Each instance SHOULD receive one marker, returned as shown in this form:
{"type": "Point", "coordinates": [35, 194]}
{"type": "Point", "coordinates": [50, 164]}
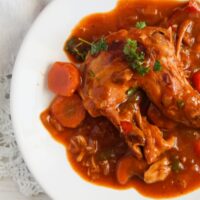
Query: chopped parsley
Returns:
{"type": "Point", "coordinates": [75, 47]}
{"type": "Point", "coordinates": [96, 47]}
{"type": "Point", "coordinates": [135, 58]}
{"type": "Point", "coordinates": [99, 46]}
{"type": "Point", "coordinates": [177, 166]}
{"type": "Point", "coordinates": [130, 49]}
{"type": "Point", "coordinates": [131, 91]}
{"type": "Point", "coordinates": [142, 70]}
{"type": "Point", "coordinates": [180, 104]}
{"type": "Point", "coordinates": [157, 66]}
{"type": "Point", "coordinates": [141, 25]}
{"type": "Point", "coordinates": [80, 47]}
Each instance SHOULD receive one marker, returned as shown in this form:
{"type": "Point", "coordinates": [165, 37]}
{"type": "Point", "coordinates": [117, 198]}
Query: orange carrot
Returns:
{"type": "Point", "coordinates": [68, 111]}
{"type": "Point", "coordinates": [63, 78]}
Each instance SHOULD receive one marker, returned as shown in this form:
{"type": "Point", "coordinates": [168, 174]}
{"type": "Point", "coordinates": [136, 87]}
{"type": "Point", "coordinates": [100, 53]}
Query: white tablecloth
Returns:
{"type": "Point", "coordinates": [16, 16]}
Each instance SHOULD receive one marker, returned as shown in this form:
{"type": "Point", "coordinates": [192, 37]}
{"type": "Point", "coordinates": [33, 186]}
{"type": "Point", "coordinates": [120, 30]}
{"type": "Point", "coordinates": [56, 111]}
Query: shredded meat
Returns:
{"type": "Point", "coordinates": [151, 140]}
{"type": "Point", "coordinates": [165, 89]}
{"type": "Point", "coordinates": [105, 93]}
{"type": "Point", "coordinates": [158, 171]}
{"type": "Point", "coordinates": [159, 119]}
{"type": "Point", "coordinates": [181, 33]}
{"type": "Point", "coordinates": [186, 31]}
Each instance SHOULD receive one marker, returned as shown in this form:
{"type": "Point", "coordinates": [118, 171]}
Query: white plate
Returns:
{"type": "Point", "coordinates": [29, 96]}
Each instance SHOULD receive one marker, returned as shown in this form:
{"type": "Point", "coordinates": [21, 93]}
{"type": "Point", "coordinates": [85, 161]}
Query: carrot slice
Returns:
{"type": "Point", "coordinates": [63, 78]}
{"type": "Point", "coordinates": [68, 111]}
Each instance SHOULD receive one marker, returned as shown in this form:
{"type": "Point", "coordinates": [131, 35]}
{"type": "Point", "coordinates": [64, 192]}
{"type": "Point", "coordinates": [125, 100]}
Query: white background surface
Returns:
{"type": "Point", "coordinates": [16, 16]}
{"type": "Point", "coordinates": [10, 191]}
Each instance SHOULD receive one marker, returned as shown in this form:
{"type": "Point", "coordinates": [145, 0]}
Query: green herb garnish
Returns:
{"type": "Point", "coordinates": [130, 49]}
{"type": "Point", "coordinates": [96, 47]}
{"type": "Point", "coordinates": [177, 166]}
{"type": "Point", "coordinates": [75, 47]}
{"type": "Point", "coordinates": [157, 66]}
{"type": "Point", "coordinates": [135, 58]}
{"type": "Point", "coordinates": [142, 70]}
{"type": "Point", "coordinates": [180, 104]}
{"type": "Point", "coordinates": [99, 46]}
{"type": "Point", "coordinates": [141, 25]}
{"type": "Point", "coordinates": [80, 47]}
{"type": "Point", "coordinates": [131, 91]}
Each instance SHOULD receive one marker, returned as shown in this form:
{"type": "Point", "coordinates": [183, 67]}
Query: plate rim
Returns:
{"type": "Point", "coordinates": [12, 97]}
{"type": "Point", "coordinates": [12, 93]}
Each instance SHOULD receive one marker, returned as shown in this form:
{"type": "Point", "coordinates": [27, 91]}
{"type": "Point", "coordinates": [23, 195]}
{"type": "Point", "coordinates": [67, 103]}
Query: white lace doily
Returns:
{"type": "Point", "coordinates": [16, 17]}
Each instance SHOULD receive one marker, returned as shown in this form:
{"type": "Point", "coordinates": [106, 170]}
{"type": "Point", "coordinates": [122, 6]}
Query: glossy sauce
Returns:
{"type": "Point", "coordinates": [124, 16]}
{"type": "Point", "coordinates": [176, 184]}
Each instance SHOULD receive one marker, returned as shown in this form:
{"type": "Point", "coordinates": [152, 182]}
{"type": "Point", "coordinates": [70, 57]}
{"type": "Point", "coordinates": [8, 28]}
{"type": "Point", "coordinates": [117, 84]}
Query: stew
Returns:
{"type": "Point", "coordinates": [130, 115]}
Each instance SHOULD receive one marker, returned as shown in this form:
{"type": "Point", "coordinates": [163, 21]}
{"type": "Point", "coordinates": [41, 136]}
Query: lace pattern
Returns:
{"type": "Point", "coordinates": [18, 14]}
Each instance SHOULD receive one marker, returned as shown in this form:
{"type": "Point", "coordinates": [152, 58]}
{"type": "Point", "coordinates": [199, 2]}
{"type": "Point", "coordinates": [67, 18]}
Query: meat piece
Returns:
{"type": "Point", "coordinates": [158, 171]}
{"type": "Point", "coordinates": [129, 166]}
{"type": "Point", "coordinates": [150, 139]}
{"type": "Point", "coordinates": [165, 88]}
{"type": "Point", "coordinates": [103, 95]}
{"type": "Point", "coordinates": [105, 92]}
{"type": "Point", "coordinates": [155, 145]}
{"type": "Point", "coordinates": [187, 36]}
{"type": "Point", "coordinates": [187, 24]}
{"type": "Point", "coordinates": [159, 119]}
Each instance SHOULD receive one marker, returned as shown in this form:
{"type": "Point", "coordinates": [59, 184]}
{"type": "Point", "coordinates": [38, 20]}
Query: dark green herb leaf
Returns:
{"type": "Point", "coordinates": [75, 47]}
{"type": "Point", "coordinates": [177, 166]}
{"type": "Point", "coordinates": [70, 44]}
{"type": "Point", "coordinates": [157, 66]}
{"type": "Point", "coordinates": [80, 55]}
{"type": "Point", "coordinates": [180, 104]}
{"type": "Point", "coordinates": [91, 74]}
{"type": "Point", "coordinates": [140, 69]}
{"type": "Point", "coordinates": [131, 91]}
{"type": "Point", "coordinates": [136, 59]}
{"type": "Point", "coordinates": [98, 46]}
{"type": "Point", "coordinates": [143, 70]}
{"type": "Point", "coordinates": [130, 51]}
{"type": "Point", "coordinates": [140, 25]}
